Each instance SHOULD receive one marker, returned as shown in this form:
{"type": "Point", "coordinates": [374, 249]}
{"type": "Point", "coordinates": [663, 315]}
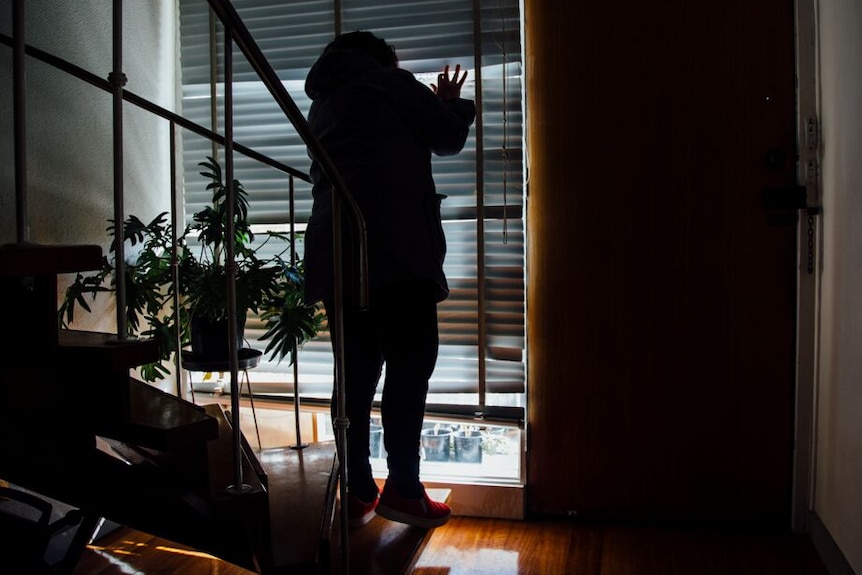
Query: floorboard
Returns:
{"type": "Point", "coordinates": [471, 546]}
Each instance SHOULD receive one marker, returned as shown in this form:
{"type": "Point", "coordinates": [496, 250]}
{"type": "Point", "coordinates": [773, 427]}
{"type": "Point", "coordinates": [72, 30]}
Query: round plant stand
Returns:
{"type": "Point", "coordinates": [248, 358]}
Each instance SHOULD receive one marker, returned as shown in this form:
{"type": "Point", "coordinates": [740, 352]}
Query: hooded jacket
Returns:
{"type": "Point", "coordinates": [380, 127]}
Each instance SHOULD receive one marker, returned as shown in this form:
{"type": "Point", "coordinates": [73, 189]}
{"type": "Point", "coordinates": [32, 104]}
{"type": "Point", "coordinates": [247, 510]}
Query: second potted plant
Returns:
{"type": "Point", "coordinates": [268, 286]}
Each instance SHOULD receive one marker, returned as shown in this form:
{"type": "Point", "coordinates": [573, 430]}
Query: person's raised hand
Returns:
{"type": "Point", "coordinates": [448, 88]}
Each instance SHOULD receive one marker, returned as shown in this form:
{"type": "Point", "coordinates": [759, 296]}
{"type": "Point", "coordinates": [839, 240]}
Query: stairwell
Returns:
{"type": "Point", "coordinates": [121, 449]}
{"type": "Point", "coordinates": [80, 430]}
{"type": "Point", "coordinates": [114, 447]}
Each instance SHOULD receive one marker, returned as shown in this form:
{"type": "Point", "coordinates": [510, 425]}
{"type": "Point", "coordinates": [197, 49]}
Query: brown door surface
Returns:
{"type": "Point", "coordinates": [661, 290]}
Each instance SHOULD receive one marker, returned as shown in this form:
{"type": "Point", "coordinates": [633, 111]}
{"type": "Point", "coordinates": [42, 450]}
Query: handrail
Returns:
{"type": "Point", "coordinates": [144, 104]}
{"type": "Point", "coordinates": [118, 79]}
{"type": "Point", "coordinates": [243, 38]}
{"type": "Point", "coordinates": [341, 197]}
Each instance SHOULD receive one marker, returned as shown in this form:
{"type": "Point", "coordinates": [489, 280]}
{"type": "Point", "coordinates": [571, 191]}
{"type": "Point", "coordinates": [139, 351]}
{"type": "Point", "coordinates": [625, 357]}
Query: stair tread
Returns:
{"type": "Point", "coordinates": [301, 505]}
{"type": "Point", "coordinates": [383, 547]}
{"type": "Point", "coordinates": [25, 259]}
{"type": "Point", "coordinates": [105, 350]}
{"type": "Point", "coordinates": [159, 420]}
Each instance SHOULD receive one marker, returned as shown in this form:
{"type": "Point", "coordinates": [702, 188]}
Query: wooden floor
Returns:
{"type": "Point", "coordinates": [469, 546]}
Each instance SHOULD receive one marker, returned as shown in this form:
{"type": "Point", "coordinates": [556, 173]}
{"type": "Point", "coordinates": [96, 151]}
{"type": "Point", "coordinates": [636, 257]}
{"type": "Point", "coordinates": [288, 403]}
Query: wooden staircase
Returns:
{"type": "Point", "coordinates": [121, 449]}
{"type": "Point", "coordinates": [118, 448]}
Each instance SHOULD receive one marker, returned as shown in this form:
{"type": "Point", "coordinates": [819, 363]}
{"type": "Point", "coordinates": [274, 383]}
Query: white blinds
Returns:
{"type": "Point", "coordinates": [482, 324]}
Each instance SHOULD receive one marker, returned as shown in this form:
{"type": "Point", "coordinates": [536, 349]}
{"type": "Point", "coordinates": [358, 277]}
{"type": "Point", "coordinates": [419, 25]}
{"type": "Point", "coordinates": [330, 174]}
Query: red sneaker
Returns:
{"type": "Point", "coordinates": [359, 512]}
{"type": "Point", "coordinates": [422, 512]}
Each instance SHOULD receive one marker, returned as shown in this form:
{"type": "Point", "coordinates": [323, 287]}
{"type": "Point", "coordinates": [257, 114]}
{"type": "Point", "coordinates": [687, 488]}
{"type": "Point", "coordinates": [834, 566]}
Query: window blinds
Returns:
{"type": "Point", "coordinates": [481, 363]}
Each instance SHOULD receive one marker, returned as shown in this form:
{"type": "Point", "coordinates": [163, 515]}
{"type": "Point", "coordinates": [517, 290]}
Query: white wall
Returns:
{"type": "Point", "coordinates": [69, 127]}
{"type": "Point", "coordinates": [838, 473]}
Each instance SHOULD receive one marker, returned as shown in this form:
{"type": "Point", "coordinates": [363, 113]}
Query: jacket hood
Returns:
{"type": "Point", "coordinates": [335, 68]}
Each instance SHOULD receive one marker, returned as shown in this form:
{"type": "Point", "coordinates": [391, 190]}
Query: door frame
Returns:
{"type": "Point", "coordinates": [809, 261]}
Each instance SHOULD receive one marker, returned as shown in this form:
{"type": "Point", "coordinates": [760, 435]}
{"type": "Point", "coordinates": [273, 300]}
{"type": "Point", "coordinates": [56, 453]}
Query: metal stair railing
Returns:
{"type": "Point", "coordinates": [342, 199]}
{"type": "Point", "coordinates": [237, 31]}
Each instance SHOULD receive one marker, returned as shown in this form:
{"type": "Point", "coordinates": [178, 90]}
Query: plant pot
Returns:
{"type": "Point", "coordinates": [210, 338]}
{"type": "Point", "coordinates": [436, 444]}
{"type": "Point", "coordinates": [468, 446]}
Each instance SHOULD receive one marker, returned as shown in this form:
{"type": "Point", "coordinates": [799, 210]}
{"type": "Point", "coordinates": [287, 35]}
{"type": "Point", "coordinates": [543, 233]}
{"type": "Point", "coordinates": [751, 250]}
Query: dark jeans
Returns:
{"type": "Point", "coordinates": [399, 329]}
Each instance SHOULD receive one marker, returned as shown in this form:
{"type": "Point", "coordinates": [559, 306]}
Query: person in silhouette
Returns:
{"type": "Point", "coordinates": [380, 126]}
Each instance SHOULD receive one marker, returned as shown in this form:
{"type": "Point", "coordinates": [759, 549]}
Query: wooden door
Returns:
{"type": "Point", "coordinates": [661, 292]}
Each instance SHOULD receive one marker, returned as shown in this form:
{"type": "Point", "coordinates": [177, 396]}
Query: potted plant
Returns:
{"type": "Point", "coordinates": [436, 442]}
{"type": "Point", "coordinates": [468, 444]}
{"type": "Point", "coordinates": [268, 286]}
